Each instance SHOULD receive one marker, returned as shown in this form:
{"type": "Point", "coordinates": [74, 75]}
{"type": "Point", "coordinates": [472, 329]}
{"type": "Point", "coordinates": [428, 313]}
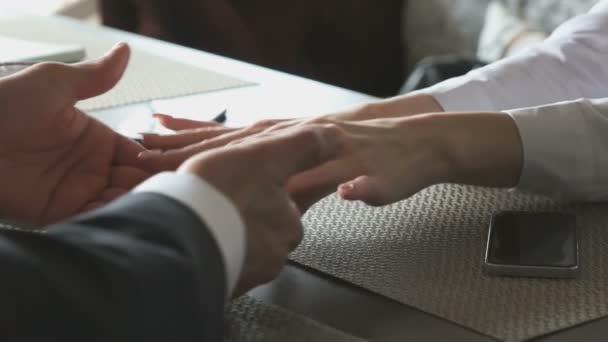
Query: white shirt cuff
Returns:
{"type": "Point", "coordinates": [460, 94]}
{"type": "Point", "coordinates": [557, 152]}
{"type": "Point", "coordinates": [213, 208]}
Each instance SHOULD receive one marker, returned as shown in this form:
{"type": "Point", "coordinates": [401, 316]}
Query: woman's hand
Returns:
{"type": "Point", "coordinates": [387, 160]}
{"type": "Point", "coordinates": [383, 160]}
{"type": "Point", "coordinates": [167, 152]}
{"type": "Point", "coordinates": [56, 161]}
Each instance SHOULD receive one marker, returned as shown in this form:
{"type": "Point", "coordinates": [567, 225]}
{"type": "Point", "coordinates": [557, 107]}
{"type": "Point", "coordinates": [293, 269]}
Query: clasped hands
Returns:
{"type": "Point", "coordinates": [55, 161]}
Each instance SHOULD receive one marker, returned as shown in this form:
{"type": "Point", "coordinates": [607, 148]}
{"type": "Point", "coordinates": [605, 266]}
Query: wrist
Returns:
{"type": "Point", "coordinates": [401, 106]}
{"type": "Point", "coordinates": [482, 149]}
{"type": "Point", "coordinates": [426, 144]}
{"type": "Point", "coordinates": [409, 105]}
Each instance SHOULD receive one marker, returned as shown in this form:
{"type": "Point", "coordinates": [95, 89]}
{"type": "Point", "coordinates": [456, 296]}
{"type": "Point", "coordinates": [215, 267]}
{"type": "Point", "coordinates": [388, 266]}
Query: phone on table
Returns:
{"type": "Point", "coordinates": [526, 244]}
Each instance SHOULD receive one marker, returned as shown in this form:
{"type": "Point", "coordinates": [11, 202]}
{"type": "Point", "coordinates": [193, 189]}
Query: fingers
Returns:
{"type": "Point", "coordinates": [171, 159]}
{"type": "Point", "coordinates": [367, 189]}
{"type": "Point", "coordinates": [126, 151]}
{"type": "Point", "coordinates": [184, 137]}
{"type": "Point", "coordinates": [92, 206]}
{"type": "Point", "coordinates": [124, 177]}
{"type": "Point", "coordinates": [305, 201]}
{"type": "Point", "coordinates": [170, 151]}
{"type": "Point", "coordinates": [92, 78]}
{"type": "Point", "coordinates": [296, 150]}
{"type": "Point", "coordinates": [310, 186]}
{"type": "Point", "coordinates": [56, 85]}
{"type": "Point", "coordinates": [177, 124]}
{"type": "Point", "coordinates": [82, 80]}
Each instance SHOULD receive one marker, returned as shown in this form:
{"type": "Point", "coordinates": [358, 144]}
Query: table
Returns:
{"type": "Point", "coordinates": [302, 290]}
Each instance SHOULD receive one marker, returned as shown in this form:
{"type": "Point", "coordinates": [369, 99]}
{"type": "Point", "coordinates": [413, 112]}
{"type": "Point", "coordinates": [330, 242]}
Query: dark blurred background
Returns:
{"type": "Point", "coordinates": [350, 43]}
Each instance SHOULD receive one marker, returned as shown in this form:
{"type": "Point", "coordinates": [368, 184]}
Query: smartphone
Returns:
{"type": "Point", "coordinates": [525, 244]}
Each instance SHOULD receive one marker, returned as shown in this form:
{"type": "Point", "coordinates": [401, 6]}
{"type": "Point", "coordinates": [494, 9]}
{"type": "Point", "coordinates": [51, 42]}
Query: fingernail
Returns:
{"type": "Point", "coordinates": [149, 154]}
{"type": "Point", "coordinates": [348, 186]}
{"type": "Point", "coordinates": [345, 190]}
{"type": "Point", "coordinates": [114, 48]}
{"type": "Point", "coordinates": [119, 45]}
{"type": "Point", "coordinates": [161, 116]}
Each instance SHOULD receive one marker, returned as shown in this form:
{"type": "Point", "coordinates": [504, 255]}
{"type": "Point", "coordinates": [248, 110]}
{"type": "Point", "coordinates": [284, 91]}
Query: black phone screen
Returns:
{"type": "Point", "coordinates": [533, 239]}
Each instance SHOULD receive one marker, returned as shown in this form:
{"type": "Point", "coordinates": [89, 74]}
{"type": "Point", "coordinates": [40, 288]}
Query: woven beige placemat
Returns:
{"type": "Point", "coordinates": [148, 77]}
{"type": "Point", "coordinates": [248, 320]}
{"type": "Point", "coordinates": [427, 251]}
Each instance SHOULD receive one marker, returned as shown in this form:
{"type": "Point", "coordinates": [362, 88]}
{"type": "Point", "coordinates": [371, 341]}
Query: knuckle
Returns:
{"type": "Point", "coordinates": [281, 125]}
{"type": "Point", "coordinates": [307, 133]}
{"type": "Point", "coordinates": [48, 68]}
{"type": "Point", "coordinates": [235, 142]}
{"type": "Point", "coordinates": [51, 75]}
{"type": "Point", "coordinates": [333, 129]}
{"type": "Point", "coordinates": [50, 72]}
{"type": "Point", "coordinates": [263, 124]}
{"type": "Point", "coordinates": [372, 109]}
{"type": "Point", "coordinates": [322, 120]}
{"type": "Point", "coordinates": [334, 135]}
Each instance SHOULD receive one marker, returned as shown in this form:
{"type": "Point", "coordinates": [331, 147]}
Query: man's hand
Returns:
{"type": "Point", "coordinates": [56, 161]}
{"type": "Point", "coordinates": [254, 176]}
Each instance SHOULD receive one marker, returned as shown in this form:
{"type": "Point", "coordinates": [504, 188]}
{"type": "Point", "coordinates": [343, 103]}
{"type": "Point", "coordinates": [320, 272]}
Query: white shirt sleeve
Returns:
{"type": "Point", "coordinates": [565, 144]}
{"type": "Point", "coordinates": [565, 149]}
{"type": "Point", "coordinates": [213, 208]}
{"type": "Point", "coordinates": [570, 64]}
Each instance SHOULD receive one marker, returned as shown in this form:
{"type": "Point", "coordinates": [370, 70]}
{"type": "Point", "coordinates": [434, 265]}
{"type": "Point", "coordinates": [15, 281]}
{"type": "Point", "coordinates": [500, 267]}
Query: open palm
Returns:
{"type": "Point", "coordinates": [56, 161]}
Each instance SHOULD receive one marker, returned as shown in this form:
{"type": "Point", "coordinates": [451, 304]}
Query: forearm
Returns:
{"type": "Point", "coordinates": [483, 149]}
{"type": "Point", "coordinates": [558, 150]}
{"type": "Point", "coordinates": [395, 107]}
{"type": "Point", "coordinates": [568, 65]}
{"type": "Point", "coordinates": [565, 149]}
{"type": "Point", "coordinates": [143, 268]}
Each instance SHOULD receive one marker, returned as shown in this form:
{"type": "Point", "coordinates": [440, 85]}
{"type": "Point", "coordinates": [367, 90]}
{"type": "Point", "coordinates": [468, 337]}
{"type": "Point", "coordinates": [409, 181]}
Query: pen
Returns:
{"type": "Point", "coordinates": [221, 117]}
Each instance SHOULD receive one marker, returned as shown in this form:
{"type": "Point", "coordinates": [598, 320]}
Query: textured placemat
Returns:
{"type": "Point", "coordinates": [248, 320]}
{"type": "Point", "coordinates": [148, 76]}
{"type": "Point", "coordinates": [427, 251]}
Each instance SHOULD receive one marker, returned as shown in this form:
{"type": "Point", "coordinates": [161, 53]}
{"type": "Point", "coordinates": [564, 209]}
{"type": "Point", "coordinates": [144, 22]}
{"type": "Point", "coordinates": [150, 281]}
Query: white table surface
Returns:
{"type": "Point", "coordinates": [275, 95]}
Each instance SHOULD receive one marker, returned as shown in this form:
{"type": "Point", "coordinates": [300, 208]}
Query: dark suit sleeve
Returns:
{"type": "Point", "coordinates": [144, 268]}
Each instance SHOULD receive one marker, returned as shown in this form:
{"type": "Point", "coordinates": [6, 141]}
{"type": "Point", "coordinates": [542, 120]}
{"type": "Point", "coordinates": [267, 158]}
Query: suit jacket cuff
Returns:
{"type": "Point", "coordinates": [213, 208]}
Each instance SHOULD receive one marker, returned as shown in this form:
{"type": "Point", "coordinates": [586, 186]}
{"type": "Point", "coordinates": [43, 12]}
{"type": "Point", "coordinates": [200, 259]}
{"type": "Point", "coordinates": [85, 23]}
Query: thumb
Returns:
{"type": "Point", "coordinates": [76, 81]}
{"type": "Point", "coordinates": [54, 83]}
{"type": "Point", "coordinates": [92, 78]}
{"type": "Point", "coordinates": [368, 189]}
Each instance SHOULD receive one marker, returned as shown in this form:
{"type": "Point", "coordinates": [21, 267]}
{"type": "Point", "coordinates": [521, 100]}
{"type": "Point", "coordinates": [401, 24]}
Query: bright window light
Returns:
{"type": "Point", "coordinates": [43, 7]}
